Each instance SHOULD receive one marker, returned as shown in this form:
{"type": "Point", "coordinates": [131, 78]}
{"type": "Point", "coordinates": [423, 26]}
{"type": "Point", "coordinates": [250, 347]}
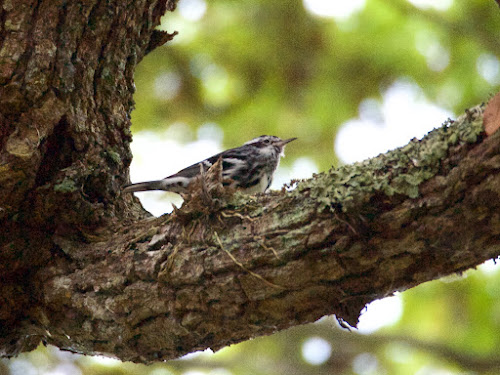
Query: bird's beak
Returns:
{"type": "Point", "coordinates": [285, 141]}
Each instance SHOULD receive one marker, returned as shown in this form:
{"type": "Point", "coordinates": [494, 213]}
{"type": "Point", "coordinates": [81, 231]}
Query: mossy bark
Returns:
{"type": "Point", "coordinates": [83, 267]}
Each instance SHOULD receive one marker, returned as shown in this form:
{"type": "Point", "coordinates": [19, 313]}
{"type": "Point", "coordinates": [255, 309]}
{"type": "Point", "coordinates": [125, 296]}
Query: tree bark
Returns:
{"type": "Point", "coordinates": [85, 268]}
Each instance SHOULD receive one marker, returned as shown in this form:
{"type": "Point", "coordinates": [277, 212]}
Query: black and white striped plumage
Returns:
{"type": "Point", "coordinates": [249, 167]}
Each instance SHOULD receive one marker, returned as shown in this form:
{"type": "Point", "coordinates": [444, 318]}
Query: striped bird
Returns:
{"type": "Point", "coordinates": [249, 167]}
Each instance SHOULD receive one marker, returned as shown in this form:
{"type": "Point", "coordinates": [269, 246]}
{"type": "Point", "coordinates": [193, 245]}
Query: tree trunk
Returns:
{"type": "Point", "coordinates": [85, 268]}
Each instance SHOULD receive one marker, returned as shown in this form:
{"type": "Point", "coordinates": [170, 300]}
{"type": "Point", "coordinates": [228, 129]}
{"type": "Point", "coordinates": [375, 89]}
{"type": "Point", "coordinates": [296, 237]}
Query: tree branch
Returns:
{"type": "Point", "coordinates": [160, 288]}
{"type": "Point", "coordinates": [86, 269]}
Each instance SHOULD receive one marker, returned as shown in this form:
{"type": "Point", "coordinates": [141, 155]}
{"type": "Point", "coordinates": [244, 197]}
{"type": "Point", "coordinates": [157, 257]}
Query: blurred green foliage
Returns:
{"type": "Point", "coordinates": [270, 67]}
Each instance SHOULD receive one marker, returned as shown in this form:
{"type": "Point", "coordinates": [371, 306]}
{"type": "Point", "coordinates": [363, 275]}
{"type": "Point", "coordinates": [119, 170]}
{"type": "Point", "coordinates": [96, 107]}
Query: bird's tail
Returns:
{"type": "Point", "coordinates": [145, 186]}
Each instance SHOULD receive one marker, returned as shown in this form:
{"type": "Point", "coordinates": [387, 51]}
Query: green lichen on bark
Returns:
{"type": "Point", "coordinates": [66, 186]}
{"type": "Point", "coordinates": [400, 171]}
{"type": "Point", "coordinates": [114, 156]}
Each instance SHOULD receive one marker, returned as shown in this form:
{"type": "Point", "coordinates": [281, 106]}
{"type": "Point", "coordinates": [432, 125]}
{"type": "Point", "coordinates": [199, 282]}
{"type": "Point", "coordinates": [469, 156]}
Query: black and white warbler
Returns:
{"type": "Point", "coordinates": [249, 167]}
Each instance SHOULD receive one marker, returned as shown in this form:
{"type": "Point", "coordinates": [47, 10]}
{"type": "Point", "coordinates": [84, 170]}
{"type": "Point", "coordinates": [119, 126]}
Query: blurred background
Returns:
{"type": "Point", "coordinates": [350, 79]}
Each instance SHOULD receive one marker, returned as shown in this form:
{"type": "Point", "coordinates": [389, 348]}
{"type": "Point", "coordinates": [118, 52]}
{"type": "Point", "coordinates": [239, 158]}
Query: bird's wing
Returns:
{"type": "Point", "coordinates": [194, 170]}
{"type": "Point", "coordinates": [235, 167]}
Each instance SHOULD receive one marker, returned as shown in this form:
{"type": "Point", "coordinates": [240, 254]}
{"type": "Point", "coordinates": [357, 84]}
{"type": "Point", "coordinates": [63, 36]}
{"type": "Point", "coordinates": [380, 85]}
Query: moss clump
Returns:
{"type": "Point", "coordinates": [114, 156]}
{"type": "Point", "coordinates": [66, 186]}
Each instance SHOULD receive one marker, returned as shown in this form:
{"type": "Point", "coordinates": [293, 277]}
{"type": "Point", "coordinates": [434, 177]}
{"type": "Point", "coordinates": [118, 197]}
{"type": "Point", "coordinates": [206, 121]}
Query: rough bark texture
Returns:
{"type": "Point", "coordinates": [66, 85]}
{"type": "Point", "coordinates": [85, 268]}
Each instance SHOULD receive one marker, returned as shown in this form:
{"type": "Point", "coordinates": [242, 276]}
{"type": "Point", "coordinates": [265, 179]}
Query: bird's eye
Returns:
{"type": "Point", "coordinates": [267, 141]}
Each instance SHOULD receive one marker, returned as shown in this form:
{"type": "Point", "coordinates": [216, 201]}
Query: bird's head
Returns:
{"type": "Point", "coordinates": [270, 142]}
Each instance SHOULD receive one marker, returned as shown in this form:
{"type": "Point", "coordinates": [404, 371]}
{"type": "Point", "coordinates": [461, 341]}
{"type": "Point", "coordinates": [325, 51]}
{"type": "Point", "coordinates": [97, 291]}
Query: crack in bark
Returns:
{"type": "Point", "coordinates": [29, 60]}
{"type": "Point", "coordinates": [57, 151]}
{"type": "Point", "coordinates": [3, 17]}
